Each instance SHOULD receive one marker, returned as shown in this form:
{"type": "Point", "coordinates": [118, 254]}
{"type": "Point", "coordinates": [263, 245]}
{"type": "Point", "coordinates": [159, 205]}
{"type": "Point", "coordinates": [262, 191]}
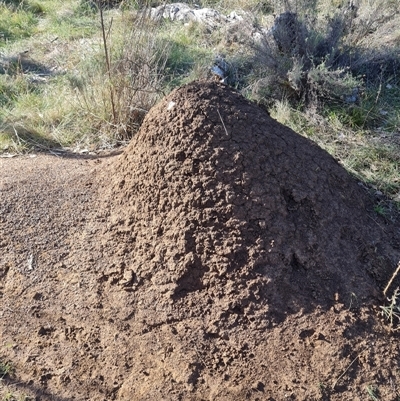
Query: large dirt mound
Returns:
{"type": "Point", "coordinates": [224, 258]}
{"type": "Point", "coordinates": [215, 195]}
{"type": "Point", "coordinates": [229, 217]}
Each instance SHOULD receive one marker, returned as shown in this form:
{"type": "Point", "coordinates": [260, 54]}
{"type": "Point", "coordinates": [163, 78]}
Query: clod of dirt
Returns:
{"type": "Point", "coordinates": [225, 257]}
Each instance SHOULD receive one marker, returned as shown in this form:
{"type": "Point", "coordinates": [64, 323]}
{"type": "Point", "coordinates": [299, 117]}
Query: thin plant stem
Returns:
{"type": "Point", "coordinates": [392, 278]}
{"type": "Point", "coordinates": [108, 63]}
{"type": "Point", "coordinates": [345, 371]}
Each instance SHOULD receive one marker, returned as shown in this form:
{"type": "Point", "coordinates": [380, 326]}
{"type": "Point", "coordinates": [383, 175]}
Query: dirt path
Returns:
{"type": "Point", "coordinates": [221, 256]}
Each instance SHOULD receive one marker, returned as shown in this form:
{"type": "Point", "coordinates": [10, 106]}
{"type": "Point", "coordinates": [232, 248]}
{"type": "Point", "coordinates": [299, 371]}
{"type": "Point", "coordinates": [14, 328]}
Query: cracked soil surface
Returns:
{"type": "Point", "coordinates": [221, 256]}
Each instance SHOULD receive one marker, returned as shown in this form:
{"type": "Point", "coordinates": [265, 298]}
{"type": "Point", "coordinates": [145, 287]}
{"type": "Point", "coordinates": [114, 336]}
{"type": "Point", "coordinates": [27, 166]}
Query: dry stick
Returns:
{"type": "Point", "coordinates": [391, 280]}
{"type": "Point", "coordinates": [222, 121]}
{"type": "Point", "coordinates": [103, 30]}
{"type": "Point", "coordinates": [16, 134]}
{"type": "Point", "coordinates": [348, 367]}
{"type": "Point", "coordinates": [379, 89]}
{"type": "Point", "coordinates": [377, 223]}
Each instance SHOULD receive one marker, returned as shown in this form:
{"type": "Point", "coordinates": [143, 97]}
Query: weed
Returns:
{"type": "Point", "coordinates": [380, 209]}
{"type": "Point", "coordinates": [372, 392]}
{"type": "Point", "coordinates": [6, 368]}
{"type": "Point", "coordinates": [392, 311]}
{"type": "Point", "coordinates": [323, 389]}
{"type": "Point", "coordinates": [12, 396]}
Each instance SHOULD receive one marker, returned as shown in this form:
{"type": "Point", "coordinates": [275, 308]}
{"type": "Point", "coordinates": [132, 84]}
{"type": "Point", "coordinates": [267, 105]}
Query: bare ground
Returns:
{"type": "Point", "coordinates": [221, 256]}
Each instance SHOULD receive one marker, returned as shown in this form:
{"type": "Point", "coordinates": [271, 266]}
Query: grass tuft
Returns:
{"type": "Point", "coordinates": [15, 24]}
{"type": "Point", "coordinates": [6, 369]}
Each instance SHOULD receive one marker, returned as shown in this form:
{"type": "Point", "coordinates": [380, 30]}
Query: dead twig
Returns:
{"type": "Point", "coordinates": [345, 371]}
{"type": "Point", "coordinates": [392, 278]}
{"type": "Point", "coordinates": [222, 121]}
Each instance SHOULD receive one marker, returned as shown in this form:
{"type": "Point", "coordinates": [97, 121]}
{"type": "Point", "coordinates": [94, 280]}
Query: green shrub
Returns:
{"type": "Point", "coordinates": [296, 61]}
{"type": "Point", "coordinates": [317, 60]}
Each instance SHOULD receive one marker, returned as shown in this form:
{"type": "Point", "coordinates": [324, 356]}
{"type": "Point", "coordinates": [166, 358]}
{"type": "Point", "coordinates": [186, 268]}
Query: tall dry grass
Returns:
{"type": "Point", "coordinates": [127, 79]}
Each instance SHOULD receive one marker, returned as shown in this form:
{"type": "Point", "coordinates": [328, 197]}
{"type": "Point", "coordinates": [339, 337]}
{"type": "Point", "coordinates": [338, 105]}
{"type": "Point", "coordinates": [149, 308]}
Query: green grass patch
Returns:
{"type": "Point", "coordinates": [72, 24]}
{"type": "Point", "coordinates": [190, 52]}
{"type": "Point", "coordinates": [36, 7]}
{"type": "Point", "coordinates": [376, 164]}
{"type": "Point", "coordinates": [13, 88]}
{"type": "Point", "coordinates": [16, 24]}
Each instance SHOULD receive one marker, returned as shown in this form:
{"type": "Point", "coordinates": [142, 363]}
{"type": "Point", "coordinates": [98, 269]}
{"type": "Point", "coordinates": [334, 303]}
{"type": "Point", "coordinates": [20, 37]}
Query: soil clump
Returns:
{"type": "Point", "coordinates": [222, 256]}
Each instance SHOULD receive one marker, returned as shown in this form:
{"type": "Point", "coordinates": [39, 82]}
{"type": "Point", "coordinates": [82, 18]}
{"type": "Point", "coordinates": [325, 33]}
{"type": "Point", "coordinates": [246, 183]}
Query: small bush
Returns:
{"type": "Point", "coordinates": [307, 66]}
{"type": "Point", "coordinates": [315, 59]}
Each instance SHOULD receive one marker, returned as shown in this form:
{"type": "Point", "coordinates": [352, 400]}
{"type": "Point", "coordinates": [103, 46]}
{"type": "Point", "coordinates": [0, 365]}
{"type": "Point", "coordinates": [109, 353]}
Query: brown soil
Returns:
{"type": "Point", "coordinates": [220, 257]}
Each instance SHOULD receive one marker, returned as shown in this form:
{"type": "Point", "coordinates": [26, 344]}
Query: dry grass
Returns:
{"type": "Point", "coordinates": [126, 80]}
